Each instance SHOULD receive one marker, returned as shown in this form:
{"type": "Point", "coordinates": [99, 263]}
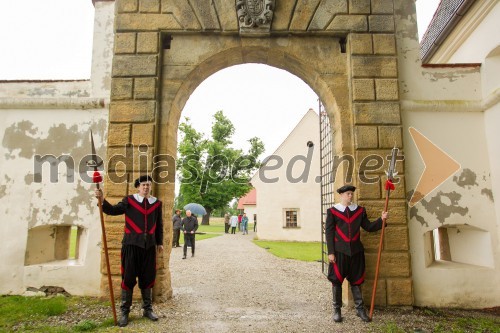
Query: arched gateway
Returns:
{"type": "Point", "coordinates": [345, 50]}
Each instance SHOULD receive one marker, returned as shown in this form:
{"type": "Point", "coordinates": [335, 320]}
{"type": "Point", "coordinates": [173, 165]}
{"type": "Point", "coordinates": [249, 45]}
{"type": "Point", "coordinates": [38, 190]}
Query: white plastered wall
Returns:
{"type": "Point", "coordinates": [447, 105]}
{"type": "Point", "coordinates": [274, 198]}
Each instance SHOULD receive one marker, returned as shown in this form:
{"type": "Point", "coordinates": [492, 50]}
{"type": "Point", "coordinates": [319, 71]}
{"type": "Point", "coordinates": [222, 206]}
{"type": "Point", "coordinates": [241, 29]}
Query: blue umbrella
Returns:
{"type": "Point", "coordinates": [195, 208]}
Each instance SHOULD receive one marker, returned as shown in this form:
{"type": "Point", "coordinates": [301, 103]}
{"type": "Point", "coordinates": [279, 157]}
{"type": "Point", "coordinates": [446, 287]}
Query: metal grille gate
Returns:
{"type": "Point", "coordinates": [326, 165]}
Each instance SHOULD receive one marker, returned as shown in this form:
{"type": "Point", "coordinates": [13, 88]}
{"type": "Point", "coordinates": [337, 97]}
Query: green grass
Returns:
{"type": "Point", "coordinates": [305, 251]}
{"type": "Point", "coordinates": [218, 228]}
{"type": "Point", "coordinates": [22, 311]}
{"type": "Point", "coordinates": [30, 314]}
{"type": "Point", "coordinates": [391, 327]}
{"type": "Point", "coordinates": [475, 324]}
{"type": "Point", "coordinates": [199, 237]}
{"type": "Point", "coordinates": [72, 242]}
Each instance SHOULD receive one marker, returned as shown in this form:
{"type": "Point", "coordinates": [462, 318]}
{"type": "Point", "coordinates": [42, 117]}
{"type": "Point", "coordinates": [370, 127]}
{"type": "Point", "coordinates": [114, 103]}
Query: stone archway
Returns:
{"type": "Point", "coordinates": [287, 53]}
{"type": "Point", "coordinates": [345, 52]}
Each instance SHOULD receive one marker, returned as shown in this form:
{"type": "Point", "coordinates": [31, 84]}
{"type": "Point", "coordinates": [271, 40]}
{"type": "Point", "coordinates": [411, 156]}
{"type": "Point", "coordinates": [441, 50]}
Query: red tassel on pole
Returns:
{"type": "Point", "coordinates": [97, 178]}
{"type": "Point", "coordinates": [389, 185]}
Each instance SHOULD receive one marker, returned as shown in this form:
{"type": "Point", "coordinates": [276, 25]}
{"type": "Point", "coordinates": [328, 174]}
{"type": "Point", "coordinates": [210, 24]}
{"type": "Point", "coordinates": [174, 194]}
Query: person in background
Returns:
{"type": "Point", "coordinates": [234, 223]}
{"type": "Point", "coordinates": [226, 222]}
{"type": "Point", "coordinates": [176, 222]}
{"type": "Point", "coordinates": [244, 224]}
{"type": "Point", "coordinates": [189, 226]}
{"type": "Point", "coordinates": [239, 221]}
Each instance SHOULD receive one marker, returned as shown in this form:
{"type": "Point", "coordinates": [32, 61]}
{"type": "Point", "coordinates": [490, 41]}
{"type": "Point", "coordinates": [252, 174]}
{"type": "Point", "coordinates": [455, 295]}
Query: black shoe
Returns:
{"type": "Point", "coordinates": [337, 315]}
{"type": "Point", "coordinates": [123, 321]}
{"type": "Point", "coordinates": [337, 303]}
{"type": "Point", "coordinates": [184, 257]}
{"type": "Point", "coordinates": [150, 315]}
{"type": "Point", "coordinates": [126, 298]}
{"type": "Point", "coordinates": [147, 304]}
{"type": "Point", "coordinates": [358, 304]}
{"type": "Point", "coordinates": [361, 313]}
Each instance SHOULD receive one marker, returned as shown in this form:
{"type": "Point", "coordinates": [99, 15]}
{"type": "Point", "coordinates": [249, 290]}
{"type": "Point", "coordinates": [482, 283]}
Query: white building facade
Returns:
{"type": "Point", "coordinates": [288, 191]}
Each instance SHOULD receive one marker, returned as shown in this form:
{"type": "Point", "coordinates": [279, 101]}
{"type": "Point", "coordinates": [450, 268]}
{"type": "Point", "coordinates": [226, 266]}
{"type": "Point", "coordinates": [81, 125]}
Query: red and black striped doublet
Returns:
{"type": "Point", "coordinates": [143, 231]}
{"type": "Point", "coordinates": [342, 231]}
{"type": "Point", "coordinates": [143, 220]}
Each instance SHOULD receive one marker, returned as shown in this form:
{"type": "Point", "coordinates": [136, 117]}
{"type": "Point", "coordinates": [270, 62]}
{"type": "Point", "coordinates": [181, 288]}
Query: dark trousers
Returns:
{"type": "Point", "coordinates": [233, 230]}
{"type": "Point", "coordinates": [347, 267]}
{"type": "Point", "coordinates": [254, 226]}
{"type": "Point", "coordinates": [177, 233]}
{"type": "Point", "coordinates": [226, 228]}
{"type": "Point", "coordinates": [188, 238]}
{"type": "Point", "coordinates": [140, 263]}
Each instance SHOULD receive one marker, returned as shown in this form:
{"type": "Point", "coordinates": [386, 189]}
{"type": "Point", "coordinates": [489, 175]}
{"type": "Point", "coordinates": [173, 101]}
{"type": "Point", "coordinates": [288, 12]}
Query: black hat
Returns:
{"type": "Point", "coordinates": [346, 188]}
{"type": "Point", "coordinates": [141, 179]}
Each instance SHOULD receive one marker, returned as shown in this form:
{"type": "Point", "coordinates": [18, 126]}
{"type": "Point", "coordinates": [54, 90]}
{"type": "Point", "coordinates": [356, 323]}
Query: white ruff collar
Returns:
{"type": "Point", "coordinates": [151, 200]}
{"type": "Point", "coordinates": [342, 208]}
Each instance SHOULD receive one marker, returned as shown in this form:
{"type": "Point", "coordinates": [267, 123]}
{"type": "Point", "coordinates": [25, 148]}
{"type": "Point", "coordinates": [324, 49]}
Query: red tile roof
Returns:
{"type": "Point", "coordinates": [249, 199]}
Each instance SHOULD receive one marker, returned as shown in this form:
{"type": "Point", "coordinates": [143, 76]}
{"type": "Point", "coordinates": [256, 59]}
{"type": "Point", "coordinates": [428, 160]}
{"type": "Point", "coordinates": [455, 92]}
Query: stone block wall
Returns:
{"type": "Point", "coordinates": [164, 49]}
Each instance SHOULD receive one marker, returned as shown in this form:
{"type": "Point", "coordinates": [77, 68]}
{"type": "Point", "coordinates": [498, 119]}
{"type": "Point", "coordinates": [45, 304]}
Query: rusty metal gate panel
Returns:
{"type": "Point", "coordinates": [326, 165]}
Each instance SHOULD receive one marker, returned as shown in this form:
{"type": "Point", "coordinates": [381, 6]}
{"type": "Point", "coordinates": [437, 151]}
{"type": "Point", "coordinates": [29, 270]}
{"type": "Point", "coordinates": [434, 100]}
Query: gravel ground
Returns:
{"type": "Point", "coordinates": [232, 285]}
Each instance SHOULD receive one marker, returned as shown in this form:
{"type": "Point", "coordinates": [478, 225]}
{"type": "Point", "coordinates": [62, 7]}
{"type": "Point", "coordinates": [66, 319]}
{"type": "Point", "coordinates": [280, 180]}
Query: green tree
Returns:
{"type": "Point", "coordinates": [212, 173]}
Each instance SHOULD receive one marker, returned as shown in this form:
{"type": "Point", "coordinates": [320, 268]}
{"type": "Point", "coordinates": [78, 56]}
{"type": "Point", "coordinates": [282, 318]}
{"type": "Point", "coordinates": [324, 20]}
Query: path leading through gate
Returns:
{"type": "Point", "coordinates": [233, 285]}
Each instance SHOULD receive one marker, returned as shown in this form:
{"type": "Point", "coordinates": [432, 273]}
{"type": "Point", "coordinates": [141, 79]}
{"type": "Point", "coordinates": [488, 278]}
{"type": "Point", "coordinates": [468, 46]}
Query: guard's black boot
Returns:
{"type": "Point", "coordinates": [147, 304]}
{"type": "Point", "coordinates": [337, 303]}
{"type": "Point", "coordinates": [358, 304]}
{"type": "Point", "coordinates": [125, 307]}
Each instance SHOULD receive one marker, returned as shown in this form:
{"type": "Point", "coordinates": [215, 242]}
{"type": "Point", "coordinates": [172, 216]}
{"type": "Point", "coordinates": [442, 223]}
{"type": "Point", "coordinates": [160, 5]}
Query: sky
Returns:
{"type": "Point", "coordinates": [52, 40]}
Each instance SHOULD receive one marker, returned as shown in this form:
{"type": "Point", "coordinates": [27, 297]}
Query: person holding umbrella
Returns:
{"type": "Point", "coordinates": [189, 226]}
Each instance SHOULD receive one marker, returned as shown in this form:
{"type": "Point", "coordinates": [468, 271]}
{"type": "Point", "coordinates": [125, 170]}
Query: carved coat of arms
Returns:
{"type": "Point", "coordinates": [255, 14]}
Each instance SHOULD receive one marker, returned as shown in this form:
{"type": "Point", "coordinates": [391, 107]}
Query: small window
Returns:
{"type": "Point", "coordinates": [458, 244]}
{"type": "Point", "coordinates": [291, 218]}
{"type": "Point", "coordinates": [52, 243]}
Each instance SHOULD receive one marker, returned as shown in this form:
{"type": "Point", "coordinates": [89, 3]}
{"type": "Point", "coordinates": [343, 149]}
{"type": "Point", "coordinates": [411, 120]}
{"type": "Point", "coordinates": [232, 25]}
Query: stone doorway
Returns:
{"type": "Point", "coordinates": [165, 49]}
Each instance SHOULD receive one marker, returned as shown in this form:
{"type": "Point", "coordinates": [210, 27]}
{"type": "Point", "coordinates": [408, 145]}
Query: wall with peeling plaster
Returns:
{"type": "Point", "coordinates": [26, 204]}
{"type": "Point", "coordinates": [450, 106]}
{"type": "Point", "coordinates": [53, 118]}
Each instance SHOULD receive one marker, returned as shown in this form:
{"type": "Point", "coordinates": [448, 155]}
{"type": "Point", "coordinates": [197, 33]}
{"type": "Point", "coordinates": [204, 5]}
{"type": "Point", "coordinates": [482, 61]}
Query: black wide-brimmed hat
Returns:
{"type": "Point", "coordinates": [143, 178]}
{"type": "Point", "coordinates": [346, 188]}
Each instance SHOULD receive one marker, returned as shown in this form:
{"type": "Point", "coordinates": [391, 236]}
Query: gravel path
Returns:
{"type": "Point", "coordinates": [232, 285]}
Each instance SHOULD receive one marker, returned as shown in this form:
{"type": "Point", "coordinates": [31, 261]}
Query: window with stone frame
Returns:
{"type": "Point", "coordinates": [291, 218]}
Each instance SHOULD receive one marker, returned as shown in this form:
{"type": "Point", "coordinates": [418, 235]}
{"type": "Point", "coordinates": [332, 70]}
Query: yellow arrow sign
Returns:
{"type": "Point", "coordinates": [439, 166]}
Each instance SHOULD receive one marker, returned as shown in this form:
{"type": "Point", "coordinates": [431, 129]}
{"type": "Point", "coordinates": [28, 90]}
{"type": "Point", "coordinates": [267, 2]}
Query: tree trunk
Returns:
{"type": "Point", "coordinates": [206, 218]}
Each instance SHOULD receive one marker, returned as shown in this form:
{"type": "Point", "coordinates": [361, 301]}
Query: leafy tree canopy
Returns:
{"type": "Point", "coordinates": [211, 172]}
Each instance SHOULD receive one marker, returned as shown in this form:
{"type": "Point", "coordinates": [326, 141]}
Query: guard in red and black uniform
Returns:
{"type": "Point", "coordinates": [345, 250]}
{"type": "Point", "coordinates": [143, 236]}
